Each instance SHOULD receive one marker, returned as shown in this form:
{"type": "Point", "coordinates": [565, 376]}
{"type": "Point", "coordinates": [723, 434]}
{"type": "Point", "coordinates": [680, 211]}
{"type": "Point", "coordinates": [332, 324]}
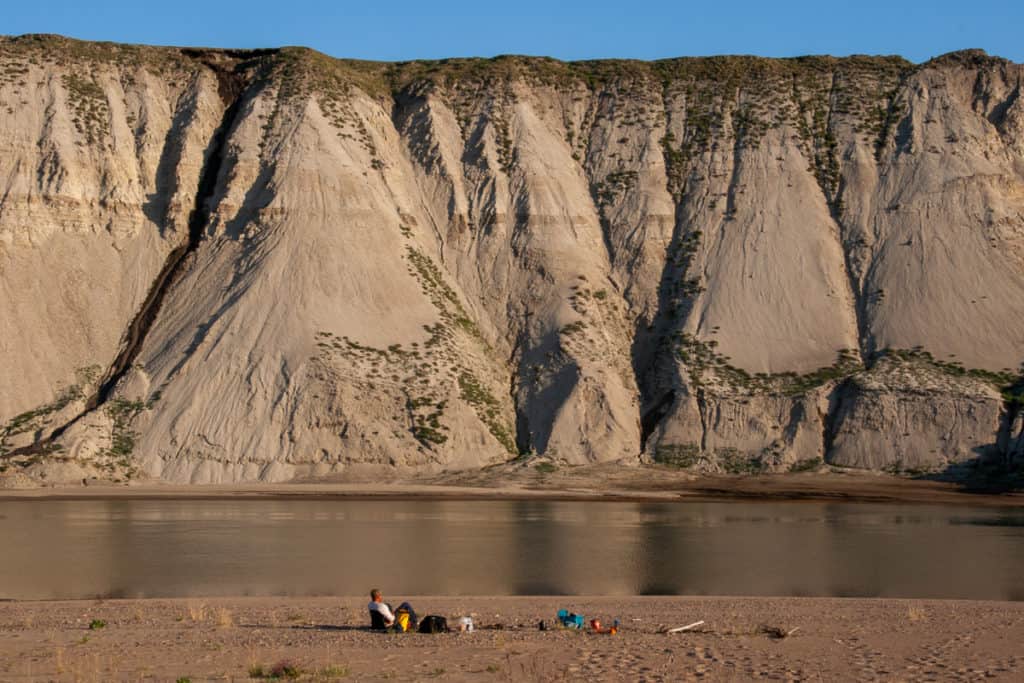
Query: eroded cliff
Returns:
{"type": "Point", "coordinates": [228, 265]}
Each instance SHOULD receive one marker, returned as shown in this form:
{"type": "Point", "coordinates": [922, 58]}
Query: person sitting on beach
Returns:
{"type": "Point", "coordinates": [382, 617]}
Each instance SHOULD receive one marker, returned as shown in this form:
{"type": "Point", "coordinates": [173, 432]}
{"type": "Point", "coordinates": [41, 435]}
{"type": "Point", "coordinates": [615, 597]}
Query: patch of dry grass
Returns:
{"type": "Point", "coordinates": [224, 617]}
{"type": "Point", "coordinates": [197, 612]}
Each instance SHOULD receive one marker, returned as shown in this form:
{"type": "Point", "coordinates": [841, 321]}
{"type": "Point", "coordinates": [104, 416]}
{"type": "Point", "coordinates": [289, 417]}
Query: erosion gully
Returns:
{"type": "Point", "coordinates": [236, 71]}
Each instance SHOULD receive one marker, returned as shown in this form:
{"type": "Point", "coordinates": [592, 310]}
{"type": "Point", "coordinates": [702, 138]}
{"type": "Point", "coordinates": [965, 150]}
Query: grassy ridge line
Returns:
{"type": "Point", "coordinates": [382, 78]}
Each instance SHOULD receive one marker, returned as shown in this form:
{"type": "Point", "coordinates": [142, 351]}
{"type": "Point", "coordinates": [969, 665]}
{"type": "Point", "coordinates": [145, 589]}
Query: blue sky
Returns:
{"type": "Point", "coordinates": [401, 30]}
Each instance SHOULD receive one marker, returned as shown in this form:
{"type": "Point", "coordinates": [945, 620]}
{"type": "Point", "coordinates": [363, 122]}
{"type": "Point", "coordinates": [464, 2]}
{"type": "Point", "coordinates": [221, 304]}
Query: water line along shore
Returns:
{"type": "Point", "coordinates": [584, 483]}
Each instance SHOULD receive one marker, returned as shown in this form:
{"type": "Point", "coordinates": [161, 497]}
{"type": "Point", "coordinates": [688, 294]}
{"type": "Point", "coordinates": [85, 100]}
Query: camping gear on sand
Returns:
{"type": "Point", "coordinates": [377, 622]}
{"type": "Point", "coordinates": [402, 620]}
{"type": "Point", "coordinates": [595, 626]}
{"type": "Point", "coordinates": [569, 619]}
{"type": "Point", "coordinates": [433, 624]}
{"type": "Point", "coordinates": [465, 624]}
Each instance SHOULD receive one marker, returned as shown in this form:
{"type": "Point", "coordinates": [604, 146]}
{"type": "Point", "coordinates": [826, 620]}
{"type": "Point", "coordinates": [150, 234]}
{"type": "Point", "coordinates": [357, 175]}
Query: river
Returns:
{"type": "Point", "coordinates": [184, 548]}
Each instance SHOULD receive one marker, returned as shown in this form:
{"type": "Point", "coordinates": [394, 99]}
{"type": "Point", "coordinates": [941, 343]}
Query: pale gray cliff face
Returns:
{"type": "Point", "coordinates": [723, 263]}
{"type": "Point", "coordinates": [1015, 447]}
{"type": "Point", "coordinates": [903, 417]}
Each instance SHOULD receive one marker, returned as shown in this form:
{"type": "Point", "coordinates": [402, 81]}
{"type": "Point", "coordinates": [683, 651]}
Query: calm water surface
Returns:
{"type": "Point", "coordinates": [159, 548]}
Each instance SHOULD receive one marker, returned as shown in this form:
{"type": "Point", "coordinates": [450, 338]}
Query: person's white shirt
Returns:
{"type": "Point", "coordinates": [384, 610]}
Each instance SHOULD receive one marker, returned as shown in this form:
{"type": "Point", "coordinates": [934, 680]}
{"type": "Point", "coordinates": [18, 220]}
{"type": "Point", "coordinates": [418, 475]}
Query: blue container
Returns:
{"type": "Point", "coordinates": [570, 620]}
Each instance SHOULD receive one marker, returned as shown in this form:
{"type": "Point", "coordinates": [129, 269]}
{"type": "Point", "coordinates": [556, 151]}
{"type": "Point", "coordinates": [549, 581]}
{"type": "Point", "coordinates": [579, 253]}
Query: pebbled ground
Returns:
{"type": "Point", "coordinates": [226, 639]}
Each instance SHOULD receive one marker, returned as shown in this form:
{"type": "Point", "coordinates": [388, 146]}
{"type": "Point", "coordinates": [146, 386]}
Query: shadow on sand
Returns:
{"type": "Point", "coordinates": [312, 627]}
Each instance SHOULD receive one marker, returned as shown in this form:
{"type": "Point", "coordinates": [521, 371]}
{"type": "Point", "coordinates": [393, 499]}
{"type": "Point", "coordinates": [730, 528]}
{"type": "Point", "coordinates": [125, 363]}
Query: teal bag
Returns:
{"type": "Point", "coordinates": [570, 620]}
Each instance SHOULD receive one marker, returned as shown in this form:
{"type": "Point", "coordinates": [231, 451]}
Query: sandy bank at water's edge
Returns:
{"type": "Point", "coordinates": [834, 639]}
{"type": "Point", "coordinates": [598, 482]}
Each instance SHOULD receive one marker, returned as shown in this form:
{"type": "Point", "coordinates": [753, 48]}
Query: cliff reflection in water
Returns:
{"type": "Point", "coordinates": [139, 548]}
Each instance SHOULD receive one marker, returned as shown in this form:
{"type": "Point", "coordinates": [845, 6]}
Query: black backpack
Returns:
{"type": "Point", "coordinates": [433, 624]}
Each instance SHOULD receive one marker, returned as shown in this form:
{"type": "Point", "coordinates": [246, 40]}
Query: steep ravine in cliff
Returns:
{"type": "Point", "coordinates": [229, 69]}
{"type": "Point", "coordinates": [232, 83]}
{"type": "Point", "coordinates": [295, 266]}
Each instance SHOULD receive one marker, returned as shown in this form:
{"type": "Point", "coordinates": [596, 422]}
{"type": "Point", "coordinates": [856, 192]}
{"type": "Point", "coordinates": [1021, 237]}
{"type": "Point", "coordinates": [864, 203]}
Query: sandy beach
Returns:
{"type": "Point", "coordinates": [593, 482]}
{"type": "Point", "coordinates": [324, 639]}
